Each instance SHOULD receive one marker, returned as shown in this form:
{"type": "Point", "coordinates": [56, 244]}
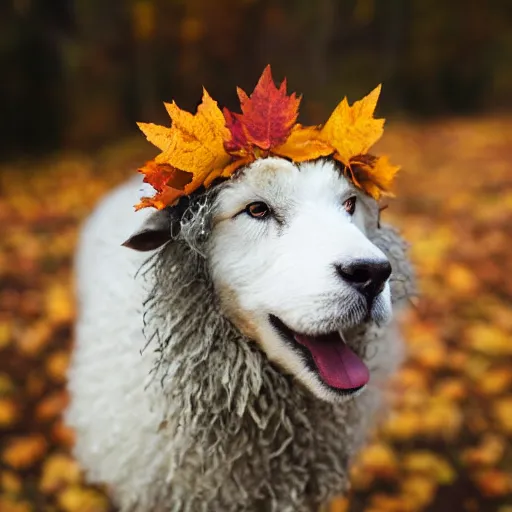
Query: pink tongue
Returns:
{"type": "Point", "coordinates": [337, 364]}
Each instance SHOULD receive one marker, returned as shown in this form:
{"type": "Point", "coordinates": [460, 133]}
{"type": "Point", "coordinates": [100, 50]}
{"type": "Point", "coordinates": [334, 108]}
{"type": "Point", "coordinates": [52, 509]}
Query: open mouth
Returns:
{"type": "Point", "coordinates": [337, 365]}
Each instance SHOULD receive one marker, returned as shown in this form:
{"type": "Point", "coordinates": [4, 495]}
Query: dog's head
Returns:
{"type": "Point", "coordinates": [294, 269]}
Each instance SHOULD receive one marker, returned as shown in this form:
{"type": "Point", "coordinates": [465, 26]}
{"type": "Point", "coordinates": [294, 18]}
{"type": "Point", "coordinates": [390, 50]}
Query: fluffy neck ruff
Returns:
{"type": "Point", "coordinates": [243, 434]}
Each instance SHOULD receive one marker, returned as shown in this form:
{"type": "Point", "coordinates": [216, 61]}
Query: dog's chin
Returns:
{"type": "Point", "coordinates": [334, 367]}
{"type": "Point", "coordinates": [333, 370]}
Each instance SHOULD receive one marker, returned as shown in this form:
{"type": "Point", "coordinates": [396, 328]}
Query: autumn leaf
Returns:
{"type": "Point", "coordinates": [59, 470]}
{"type": "Point", "coordinates": [304, 143]}
{"type": "Point", "coordinates": [159, 136]}
{"type": "Point", "coordinates": [374, 175]}
{"type": "Point", "coordinates": [352, 130]}
{"type": "Point", "coordinates": [197, 144]}
{"type": "Point", "coordinates": [494, 483]}
{"type": "Point", "coordinates": [77, 499]}
{"type": "Point", "coordinates": [23, 452]}
{"type": "Point", "coordinates": [268, 114]}
{"type": "Point", "coordinates": [8, 412]}
{"type": "Point", "coordinates": [168, 182]}
{"type": "Point", "coordinates": [194, 144]}
{"type": "Point", "coordinates": [450, 417]}
{"type": "Point", "coordinates": [237, 144]}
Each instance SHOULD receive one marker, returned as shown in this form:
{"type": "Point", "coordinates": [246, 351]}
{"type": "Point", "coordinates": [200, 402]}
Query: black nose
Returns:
{"type": "Point", "coordinates": [367, 277]}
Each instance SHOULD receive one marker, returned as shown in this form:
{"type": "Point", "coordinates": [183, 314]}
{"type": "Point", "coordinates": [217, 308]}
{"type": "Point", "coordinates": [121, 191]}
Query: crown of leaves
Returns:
{"type": "Point", "coordinates": [198, 149]}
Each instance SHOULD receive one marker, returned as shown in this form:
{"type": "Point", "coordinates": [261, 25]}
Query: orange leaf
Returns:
{"type": "Point", "coordinates": [51, 406]}
{"type": "Point", "coordinates": [191, 149]}
{"type": "Point", "coordinates": [374, 175]}
{"type": "Point", "coordinates": [269, 113]}
{"type": "Point", "coordinates": [8, 412]}
{"type": "Point", "coordinates": [352, 130]}
{"type": "Point", "coordinates": [22, 452]}
{"type": "Point", "coordinates": [161, 175]}
{"type": "Point", "coordinates": [304, 143]}
{"type": "Point", "coordinates": [168, 182]}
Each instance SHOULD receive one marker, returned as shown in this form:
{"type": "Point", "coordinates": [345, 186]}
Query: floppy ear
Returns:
{"type": "Point", "coordinates": [155, 231]}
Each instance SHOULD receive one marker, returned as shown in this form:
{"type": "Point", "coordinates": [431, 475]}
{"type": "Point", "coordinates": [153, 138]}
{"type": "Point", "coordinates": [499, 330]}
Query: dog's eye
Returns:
{"type": "Point", "coordinates": [350, 205]}
{"type": "Point", "coordinates": [258, 210]}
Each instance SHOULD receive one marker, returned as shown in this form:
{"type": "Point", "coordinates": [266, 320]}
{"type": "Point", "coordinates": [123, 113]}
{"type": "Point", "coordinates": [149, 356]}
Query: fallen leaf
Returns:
{"type": "Point", "coordinates": [59, 471]}
{"type": "Point", "coordinates": [78, 499]}
{"type": "Point", "coordinates": [23, 452]}
{"type": "Point", "coordinates": [503, 413]}
{"type": "Point", "coordinates": [8, 412]}
{"type": "Point", "coordinates": [429, 465]}
{"type": "Point", "coordinates": [493, 482]}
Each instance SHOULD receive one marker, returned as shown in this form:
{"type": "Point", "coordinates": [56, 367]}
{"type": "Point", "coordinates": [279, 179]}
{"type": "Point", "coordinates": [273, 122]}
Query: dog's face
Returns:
{"type": "Point", "coordinates": [293, 267]}
{"type": "Point", "coordinates": [295, 271]}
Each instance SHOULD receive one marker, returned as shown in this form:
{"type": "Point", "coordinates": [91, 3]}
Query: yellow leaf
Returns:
{"type": "Point", "coordinates": [503, 413]}
{"type": "Point", "coordinates": [197, 141]}
{"type": "Point", "coordinates": [59, 303]}
{"type": "Point", "coordinates": [403, 425]}
{"type": "Point", "coordinates": [194, 144]}
{"type": "Point", "coordinates": [57, 364]}
{"type": "Point", "coordinates": [10, 482]}
{"type": "Point", "coordinates": [429, 465]}
{"type": "Point", "coordinates": [159, 136]}
{"type": "Point", "coordinates": [374, 176]}
{"type": "Point", "coordinates": [461, 279]}
{"type": "Point", "coordinates": [441, 419]}
{"type": "Point", "coordinates": [78, 499]}
{"type": "Point", "coordinates": [495, 381]}
{"type": "Point", "coordinates": [304, 143]}
{"type": "Point", "coordinates": [489, 340]}
{"type": "Point", "coordinates": [59, 471]}
{"type": "Point", "coordinates": [379, 460]}
{"type": "Point", "coordinates": [419, 490]}
{"type": "Point", "coordinates": [352, 130]}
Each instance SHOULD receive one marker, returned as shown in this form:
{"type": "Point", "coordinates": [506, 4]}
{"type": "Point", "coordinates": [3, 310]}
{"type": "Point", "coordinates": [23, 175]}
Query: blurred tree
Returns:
{"type": "Point", "coordinates": [32, 89]}
{"type": "Point", "coordinates": [78, 72]}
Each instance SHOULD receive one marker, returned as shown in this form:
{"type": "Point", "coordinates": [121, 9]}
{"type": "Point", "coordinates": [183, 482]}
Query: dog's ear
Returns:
{"type": "Point", "coordinates": [155, 231]}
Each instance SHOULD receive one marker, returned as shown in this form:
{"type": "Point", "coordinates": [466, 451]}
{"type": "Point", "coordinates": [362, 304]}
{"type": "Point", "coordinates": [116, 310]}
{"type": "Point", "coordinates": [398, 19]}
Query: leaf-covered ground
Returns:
{"type": "Point", "coordinates": [446, 445]}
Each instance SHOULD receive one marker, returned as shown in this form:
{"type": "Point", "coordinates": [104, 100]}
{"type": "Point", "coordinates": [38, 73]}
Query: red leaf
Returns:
{"type": "Point", "coordinates": [159, 175]}
{"type": "Point", "coordinates": [268, 114]}
{"type": "Point", "coordinates": [238, 144]}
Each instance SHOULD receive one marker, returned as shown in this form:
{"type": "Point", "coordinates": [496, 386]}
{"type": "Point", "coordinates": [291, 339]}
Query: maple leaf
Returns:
{"type": "Point", "coordinates": [352, 130]}
{"type": "Point", "coordinates": [238, 143]}
{"type": "Point", "coordinates": [373, 174]}
{"type": "Point", "coordinates": [192, 149]}
{"type": "Point", "coordinates": [159, 136]}
{"type": "Point", "coordinates": [269, 114]}
{"type": "Point", "coordinates": [304, 143]}
{"type": "Point", "coordinates": [168, 182]}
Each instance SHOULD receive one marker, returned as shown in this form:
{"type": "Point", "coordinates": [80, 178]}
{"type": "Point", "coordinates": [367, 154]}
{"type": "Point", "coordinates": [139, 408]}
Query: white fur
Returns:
{"type": "Point", "coordinates": [258, 267]}
{"type": "Point", "coordinates": [285, 266]}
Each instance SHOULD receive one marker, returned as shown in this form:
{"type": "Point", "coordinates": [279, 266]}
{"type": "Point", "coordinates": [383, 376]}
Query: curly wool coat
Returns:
{"type": "Point", "coordinates": [192, 416]}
